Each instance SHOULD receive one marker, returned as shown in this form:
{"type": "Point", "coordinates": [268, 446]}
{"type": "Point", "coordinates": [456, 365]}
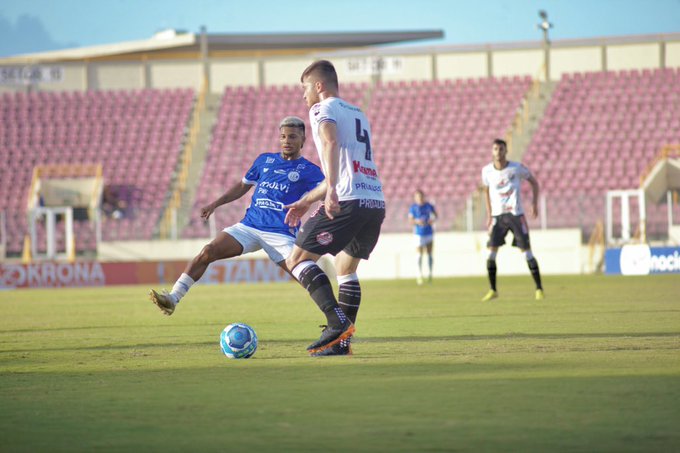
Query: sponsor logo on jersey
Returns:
{"type": "Point", "coordinates": [358, 168]}
{"type": "Point", "coordinates": [280, 172]}
{"type": "Point", "coordinates": [364, 186]}
{"type": "Point", "coordinates": [294, 176]}
{"type": "Point", "coordinates": [266, 203]}
{"type": "Point", "coordinates": [324, 238]}
{"type": "Point", "coordinates": [274, 186]}
{"type": "Point", "coordinates": [372, 204]}
{"type": "Point", "coordinates": [350, 107]}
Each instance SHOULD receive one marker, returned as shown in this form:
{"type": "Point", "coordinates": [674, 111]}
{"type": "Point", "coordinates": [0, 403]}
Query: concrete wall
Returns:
{"type": "Point", "coordinates": [415, 67]}
{"type": "Point", "coordinates": [575, 59]}
{"type": "Point", "coordinates": [176, 74]}
{"type": "Point", "coordinates": [455, 254]}
{"type": "Point", "coordinates": [462, 65]}
{"type": "Point", "coordinates": [116, 76]}
{"type": "Point", "coordinates": [342, 66]}
{"type": "Point", "coordinates": [285, 71]}
{"type": "Point", "coordinates": [440, 63]}
{"type": "Point", "coordinates": [517, 62]}
{"type": "Point", "coordinates": [233, 73]}
{"type": "Point", "coordinates": [673, 55]}
{"type": "Point", "coordinates": [633, 56]}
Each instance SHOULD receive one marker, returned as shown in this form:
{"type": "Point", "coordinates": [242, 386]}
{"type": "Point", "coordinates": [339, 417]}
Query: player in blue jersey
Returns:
{"type": "Point", "coordinates": [422, 215]}
{"type": "Point", "coordinates": [279, 179]}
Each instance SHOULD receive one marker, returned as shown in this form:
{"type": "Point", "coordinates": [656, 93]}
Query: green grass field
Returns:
{"type": "Point", "coordinates": [594, 367]}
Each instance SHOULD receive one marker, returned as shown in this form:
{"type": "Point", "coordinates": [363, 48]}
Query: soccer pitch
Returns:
{"type": "Point", "coordinates": [594, 367]}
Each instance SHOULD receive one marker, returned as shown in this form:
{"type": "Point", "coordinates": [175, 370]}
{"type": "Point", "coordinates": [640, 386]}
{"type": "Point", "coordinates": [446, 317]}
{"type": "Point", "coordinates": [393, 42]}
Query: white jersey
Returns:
{"type": "Point", "coordinates": [504, 187]}
{"type": "Point", "coordinates": [357, 174]}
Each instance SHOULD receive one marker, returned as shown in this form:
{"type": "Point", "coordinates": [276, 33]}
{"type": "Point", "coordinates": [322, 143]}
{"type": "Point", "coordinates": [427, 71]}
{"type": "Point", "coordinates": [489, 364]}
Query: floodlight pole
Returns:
{"type": "Point", "coordinates": [545, 26]}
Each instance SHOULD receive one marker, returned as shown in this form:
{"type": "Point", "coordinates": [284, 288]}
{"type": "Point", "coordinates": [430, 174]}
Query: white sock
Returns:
{"type": "Point", "coordinates": [181, 287]}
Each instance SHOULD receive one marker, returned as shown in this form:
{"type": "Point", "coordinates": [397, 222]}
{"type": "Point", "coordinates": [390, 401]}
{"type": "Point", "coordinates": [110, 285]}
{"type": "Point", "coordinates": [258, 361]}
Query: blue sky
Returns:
{"type": "Point", "coordinates": [40, 25]}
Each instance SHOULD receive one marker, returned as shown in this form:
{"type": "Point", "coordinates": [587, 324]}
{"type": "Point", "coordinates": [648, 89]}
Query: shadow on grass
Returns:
{"type": "Point", "coordinates": [295, 342]}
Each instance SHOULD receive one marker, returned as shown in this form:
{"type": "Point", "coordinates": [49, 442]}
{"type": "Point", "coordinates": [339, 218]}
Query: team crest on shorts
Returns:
{"type": "Point", "coordinates": [324, 238]}
{"type": "Point", "coordinates": [294, 176]}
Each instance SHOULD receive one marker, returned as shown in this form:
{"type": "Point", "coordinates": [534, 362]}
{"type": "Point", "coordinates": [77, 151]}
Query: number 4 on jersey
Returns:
{"type": "Point", "coordinates": [362, 137]}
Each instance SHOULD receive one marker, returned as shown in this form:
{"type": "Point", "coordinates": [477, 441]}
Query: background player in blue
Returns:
{"type": "Point", "coordinates": [422, 215]}
{"type": "Point", "coordinates": [279, 179]}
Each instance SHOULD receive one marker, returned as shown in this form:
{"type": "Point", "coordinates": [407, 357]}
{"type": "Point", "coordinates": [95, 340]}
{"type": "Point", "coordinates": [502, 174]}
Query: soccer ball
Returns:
{"type": "Point", "coordinates": [238, 341]}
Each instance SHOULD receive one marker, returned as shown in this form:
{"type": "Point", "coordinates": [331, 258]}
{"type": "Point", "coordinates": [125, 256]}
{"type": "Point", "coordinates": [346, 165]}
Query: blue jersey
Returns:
{"type": "Point", "coordinates": [278, 182]}
{"type": "Point", "coordinates": [423, 212]}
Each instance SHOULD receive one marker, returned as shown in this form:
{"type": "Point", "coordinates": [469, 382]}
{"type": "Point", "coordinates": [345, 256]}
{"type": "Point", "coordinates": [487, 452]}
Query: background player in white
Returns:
{"type": "Point", "coordinates": [503, 180]}
{"type": "Point", "coordinates": [279, 179]}
{"type": "Point", "coordinates": [348, 224]}
{"type": "Point", "coordinates": [422, 215]}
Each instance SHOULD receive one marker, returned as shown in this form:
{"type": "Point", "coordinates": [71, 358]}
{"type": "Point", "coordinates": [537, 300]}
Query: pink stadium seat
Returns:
{"type": "Point", "coordinates": [128, 132]}
{"type": "Point", "coordinates": [613, 124]}
{"type": "Point", "coordinates": [415, 126]}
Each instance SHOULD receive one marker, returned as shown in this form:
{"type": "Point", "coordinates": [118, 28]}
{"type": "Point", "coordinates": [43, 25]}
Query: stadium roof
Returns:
{"type": "Point", "coordinates": [172, 42]}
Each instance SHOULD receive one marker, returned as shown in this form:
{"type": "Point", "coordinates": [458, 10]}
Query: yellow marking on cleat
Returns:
{"type": "Point", "coordinates": [490, 295]}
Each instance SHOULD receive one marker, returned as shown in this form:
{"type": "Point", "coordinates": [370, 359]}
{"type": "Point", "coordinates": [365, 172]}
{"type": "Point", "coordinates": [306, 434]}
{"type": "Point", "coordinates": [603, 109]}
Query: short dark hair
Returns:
{"type": "Point", "coordinates": [324, 70]}
{"type": "Point", "coordinates": [501, 143]}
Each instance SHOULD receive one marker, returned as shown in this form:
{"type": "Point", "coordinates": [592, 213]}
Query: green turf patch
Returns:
{"type": "Point", "coordinates": [593, 367]}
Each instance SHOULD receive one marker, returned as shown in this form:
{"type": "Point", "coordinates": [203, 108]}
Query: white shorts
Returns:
{"type": "Point", "coordinates": [277, 246]}
{"type": "Point", "coordinates": [422, 241]}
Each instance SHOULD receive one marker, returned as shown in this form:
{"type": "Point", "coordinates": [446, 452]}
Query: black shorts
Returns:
{"type": "Point", "coordinates": [355, 229]}
{"type": "Point", "coordinates": [507, 222]}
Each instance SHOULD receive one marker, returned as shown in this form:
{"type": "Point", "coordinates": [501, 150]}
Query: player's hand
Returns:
{"type": "Point", "coordinates": [331, 204]}
{"type": "Point", "coordinates": [206, 211]}
{"type": "Point", "coordinates": [295, 212]}
{"type": "Point", "coordinates": [489, 222]}
{"type": "Point", "coordinates": [534, 211]}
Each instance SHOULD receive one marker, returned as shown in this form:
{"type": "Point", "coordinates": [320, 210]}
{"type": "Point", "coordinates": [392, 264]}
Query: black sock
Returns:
{"type": "Point", "coordinates": [491, 269]}
{"type": "Point", "coordinates": [316, 282]}
{"type": "Point", "coordinates": [535, 273]}
{"type": "Point", "coordinates": [349, 298]}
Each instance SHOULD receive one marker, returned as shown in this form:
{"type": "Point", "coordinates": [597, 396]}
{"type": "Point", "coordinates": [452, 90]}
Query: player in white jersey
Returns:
{"type": "Point", "coordinates": [348, 223]}
{"type": "Point", "coordinates": [502, 180]}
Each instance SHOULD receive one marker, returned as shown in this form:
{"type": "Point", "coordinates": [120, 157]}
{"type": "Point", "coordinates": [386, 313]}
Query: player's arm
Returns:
{"type": "Point", "coordinates": [330, 162]}
{"type": "Point", "coordinates": [299, 208]}
{"type": "Point", "coordinates": [412, 220]}
{"type": "Point", "coordinates": [433, 216]}
{"type": "Point", "coordinates": [234, 193]}
{"type": "Point", "coordinates": [487, 199]}
{"type": "Point", "coordinates": [535, 190]}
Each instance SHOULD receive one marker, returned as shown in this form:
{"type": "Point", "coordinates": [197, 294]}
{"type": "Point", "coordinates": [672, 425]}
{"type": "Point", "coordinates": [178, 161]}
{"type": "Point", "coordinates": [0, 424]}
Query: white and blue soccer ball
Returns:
{"type": "Point", "coordinates": [238, 341]}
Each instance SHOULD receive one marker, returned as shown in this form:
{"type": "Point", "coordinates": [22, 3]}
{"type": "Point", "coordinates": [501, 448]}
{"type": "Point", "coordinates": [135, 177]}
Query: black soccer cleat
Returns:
{"type": "Point", "coordinates": [337, 349]}
{"type": "Point", "coordinates": [332, 336]}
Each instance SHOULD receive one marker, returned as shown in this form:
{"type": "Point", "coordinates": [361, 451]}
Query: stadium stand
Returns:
{"type": "Point", "coordinates": [246, 126]}
{"type": "Point", "coordinates": [599, 132]}
{"type": "Point", "coordinates": [135, 135]}
{"type": "Point", "coordinates": [437, 135]}
{"type": "Point", "coordinates": [434, 135]}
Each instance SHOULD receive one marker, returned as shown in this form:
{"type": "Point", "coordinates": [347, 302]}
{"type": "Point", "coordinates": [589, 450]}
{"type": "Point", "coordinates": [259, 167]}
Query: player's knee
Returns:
{"type": "Point", "coordinates": [207, 254]}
